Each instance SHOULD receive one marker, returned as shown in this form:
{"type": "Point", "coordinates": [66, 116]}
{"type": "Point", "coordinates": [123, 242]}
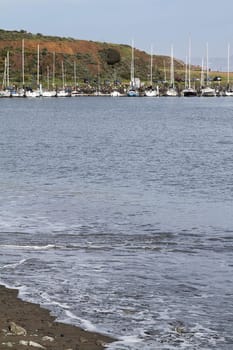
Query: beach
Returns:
{"type": "Point", "coordinates": [25, 325]}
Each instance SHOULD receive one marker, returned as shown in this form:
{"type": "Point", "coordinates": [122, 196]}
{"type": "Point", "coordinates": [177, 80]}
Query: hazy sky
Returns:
{"type": "Point", "coordinates": [152, 22]}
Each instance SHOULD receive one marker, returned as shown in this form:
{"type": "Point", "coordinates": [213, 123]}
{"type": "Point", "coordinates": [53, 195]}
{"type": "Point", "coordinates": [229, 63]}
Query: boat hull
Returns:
{"type": "Point", "coordinates": [151, 93]}
{"type": "Point", "coordinates": [189, 93]}
{"type": "Point", "coordinates": [171, 93]}
{"type": "Point", "coordinates": [208, 92]}
{"type": "Point", "coordinates": [132, 93]}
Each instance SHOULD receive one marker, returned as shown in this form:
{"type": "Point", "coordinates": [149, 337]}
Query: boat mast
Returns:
{"type": "Point", "coordinates": [151, 65]}
{"type": "Point", "coordinates": [172, 69]}
{"type": "Point", "coordinates": [23, 82]}
{"type": "Point", "coordinates": [189, 64]}
{"type": "Point", "coordinates": [38, 65]}
{"type": "Point", "coordinates": [4, 82]}
{"type": "Point", "coordinates": [202, 73]}
{"type": "Point", "coordinates": [132, 82]}
{"type": "Point", "coordinates": [63, 75]}
{"type": "Point", "coordinates": [164, 70]}
{"type": "Point", "coordinates": [98, 79]}
{"type": "Point", "coordinates": [75, 74]}
{"type": "Point", "coordinates": [207, 64]}
{"type": "Point", "coordinates": [48, 78]}
{"type": "Point", "coordinates": [228, 65]}
{"type": "Point", "coordinates": [186, 72]}
{"type": "Point", "coordinates": [8, 69]}
{"type": "Point", "coordinates": [53, 70]}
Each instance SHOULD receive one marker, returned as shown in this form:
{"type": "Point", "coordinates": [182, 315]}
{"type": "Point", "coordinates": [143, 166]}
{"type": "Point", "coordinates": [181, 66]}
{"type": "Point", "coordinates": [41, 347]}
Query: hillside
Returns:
{"type": "Point", "coordinates": [94, 61]}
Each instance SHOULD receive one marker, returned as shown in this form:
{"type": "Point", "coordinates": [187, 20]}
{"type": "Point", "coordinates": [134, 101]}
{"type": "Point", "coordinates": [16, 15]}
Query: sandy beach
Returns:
{"type": "Point", "coordinates": [25, 325]}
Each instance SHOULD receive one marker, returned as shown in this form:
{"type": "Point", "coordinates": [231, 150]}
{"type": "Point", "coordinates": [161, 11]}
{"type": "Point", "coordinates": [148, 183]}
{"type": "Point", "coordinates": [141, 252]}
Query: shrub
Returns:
{"type": "Point", "coordinates": [110, 56]}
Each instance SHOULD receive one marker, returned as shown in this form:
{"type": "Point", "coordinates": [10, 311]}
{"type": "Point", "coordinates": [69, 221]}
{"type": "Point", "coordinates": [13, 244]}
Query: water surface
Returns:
{"type": "Point", "coordinates": [116, 213]}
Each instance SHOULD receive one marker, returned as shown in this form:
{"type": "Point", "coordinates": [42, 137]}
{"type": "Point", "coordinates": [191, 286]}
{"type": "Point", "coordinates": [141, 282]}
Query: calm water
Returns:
{"type": "Point", "coordinates": [117, 215]}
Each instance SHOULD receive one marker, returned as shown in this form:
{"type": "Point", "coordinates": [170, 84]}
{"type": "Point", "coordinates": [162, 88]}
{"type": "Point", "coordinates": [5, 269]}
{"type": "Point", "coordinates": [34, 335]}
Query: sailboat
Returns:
{"type": "Point", "coordinates": [171, 91]}
{"type": "Point", "coordinates": [207, 91]}
{"type": "Point", "coordinates": [63, 92]}
{"type": "Point", "coordinates": [6, 92]}
{"type": "Point", "coordinates": [188, 90]}
{"type": "Point", "coordinates": [75, 91]}
{"type": "Point", "coordinates": [48, 92]}
{"type": "Point", "coordinates": [229, 91]}
{"type": "Point", "coordinates": [38, 91]}
{"type": "Point", "coordinates": [132, 92]}
{"type": "Point", "coordinates": [150, 92]}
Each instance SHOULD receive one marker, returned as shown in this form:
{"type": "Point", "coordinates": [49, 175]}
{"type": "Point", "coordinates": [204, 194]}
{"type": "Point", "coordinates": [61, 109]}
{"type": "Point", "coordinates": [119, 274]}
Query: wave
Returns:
{"type": "Point", "coordinates": [13, 266]}
{"type": "Point", "coordinates": [48, 301]}
{"type": "Point", "coordinates": [85, 324]}
{"type": "Point", "coordinates": [32, 247]}
{"type": "Point", "coordinates": [126, 342]}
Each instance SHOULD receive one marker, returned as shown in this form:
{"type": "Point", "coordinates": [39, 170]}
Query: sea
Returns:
{"type": "Point", "coordinates": [117, 215]}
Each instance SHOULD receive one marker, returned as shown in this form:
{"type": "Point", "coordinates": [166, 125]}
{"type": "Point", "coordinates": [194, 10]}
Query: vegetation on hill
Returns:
{"type": "Point", "coordinates": [89, 61]}
{"type": "Point", "coordinates": [93, 60]}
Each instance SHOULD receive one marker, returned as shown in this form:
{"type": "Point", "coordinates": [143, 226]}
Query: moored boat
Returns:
{"type": "Point", "coordinates": [49, 93]}
{"type": "Point", "coordinates": [228, 93]}
{"type": "Point", "coordinates": [5, 93]}
{"type": "Point", "coordinates": [33, 94]}
{"type": "Point", "coordinates": [133, 91]}
{"type": "Point", "coordinates": [150, 92]}
{"type": "Point", "coordinates": [189, 92]}
{"type": "Point", "coordinates": [63, 93]}
{"type": "Point", "coordinates": [208, 92]}
{"type": "Point", "coordinates": [116, 93]}
{"type": "Point", "coordinates": [171, 91]}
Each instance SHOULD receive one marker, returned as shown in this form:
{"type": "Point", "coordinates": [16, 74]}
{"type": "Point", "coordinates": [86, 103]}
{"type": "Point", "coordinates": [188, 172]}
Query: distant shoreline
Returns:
{"type": "Point", "coordinates": [28, 324]}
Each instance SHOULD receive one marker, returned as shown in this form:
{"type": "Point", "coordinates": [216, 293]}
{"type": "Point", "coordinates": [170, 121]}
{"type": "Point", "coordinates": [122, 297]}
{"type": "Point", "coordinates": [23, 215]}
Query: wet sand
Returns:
{"type": "Point", "coordinates": [25, 325]}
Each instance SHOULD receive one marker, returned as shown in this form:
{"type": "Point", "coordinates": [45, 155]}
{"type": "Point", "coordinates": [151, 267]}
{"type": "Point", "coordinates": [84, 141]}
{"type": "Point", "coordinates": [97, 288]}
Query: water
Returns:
{"type": "Point", "coordinates": [116, 214]}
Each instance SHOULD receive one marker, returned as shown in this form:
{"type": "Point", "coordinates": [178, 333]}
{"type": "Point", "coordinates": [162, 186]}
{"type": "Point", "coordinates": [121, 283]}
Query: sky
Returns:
{"type": "Point", "coordinates": [151, 23]}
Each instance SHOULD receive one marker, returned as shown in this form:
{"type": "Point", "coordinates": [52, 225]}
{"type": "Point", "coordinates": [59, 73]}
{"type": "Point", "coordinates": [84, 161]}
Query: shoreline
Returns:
{"type": "Point", "coordinates": [25, 325]}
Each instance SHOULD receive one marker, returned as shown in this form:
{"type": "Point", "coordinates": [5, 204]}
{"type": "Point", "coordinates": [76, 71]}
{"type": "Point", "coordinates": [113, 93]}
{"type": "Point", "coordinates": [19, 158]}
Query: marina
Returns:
{"type": "Point", "coordinates": [49, 75]}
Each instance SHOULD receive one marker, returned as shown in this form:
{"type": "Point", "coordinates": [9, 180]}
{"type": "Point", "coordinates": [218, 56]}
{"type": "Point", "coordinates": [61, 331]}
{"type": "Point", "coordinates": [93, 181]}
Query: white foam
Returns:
{"type": "Point", "coordinates": [31, 247]}
{"type": "Point", "coordinates": [85, 324]}
{"type": "Point", "coordinates": [13, 266]}
{"type": "Point", "coordinates": [60, 305]}
{"type": "Point", "coordinates": [130, 339]}
{"type": "Point", "coordinates": [22, 291]}
{"type": "Point", "coordinates": [126, 342]}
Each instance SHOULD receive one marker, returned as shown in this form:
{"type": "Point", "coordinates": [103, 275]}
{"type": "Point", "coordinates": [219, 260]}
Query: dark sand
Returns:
{"type": "Point", "coordinates": [42, 331]}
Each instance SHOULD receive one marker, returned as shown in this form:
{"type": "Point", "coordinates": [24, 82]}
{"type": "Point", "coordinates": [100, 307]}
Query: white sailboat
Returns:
{"type": "Point", "coordinates": [5, 92]}
{"type": "Point", "coordinates": [75, 92]}
{"type": "Point", "coordinates": [48, 92]}
{"type": "Point", "coordinates": [133, 91]}
{"type": "Point", "coordinates": [63, 92]}
{"type": "Point", "coordinates": [38, 91]}
{"type": "Point", "coordinates": [171, 91]}
{"type": "Point", "coordinates": [229, 91]}
{"type": "Point", "coordinates": [150, 91]}
{"type": "Point", "coordinates": [14, 92]}
{"type": "Point", "coordinates": [8, 90]}
{"type": "Point", "coordinates": [207, 91]}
